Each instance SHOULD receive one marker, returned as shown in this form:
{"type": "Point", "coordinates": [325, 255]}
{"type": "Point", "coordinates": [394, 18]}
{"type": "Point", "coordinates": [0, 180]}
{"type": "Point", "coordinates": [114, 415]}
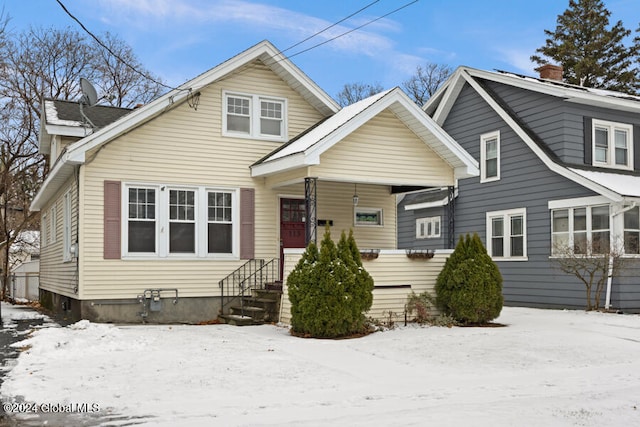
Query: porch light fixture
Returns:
{"type": "Point", "coordinates": [355, 195]}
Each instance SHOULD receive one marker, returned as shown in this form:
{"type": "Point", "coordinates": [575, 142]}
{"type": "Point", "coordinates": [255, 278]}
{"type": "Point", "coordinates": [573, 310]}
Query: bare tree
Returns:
{"type": "Point", "coordinates": [593, 263]}
{"type": "Point", "coordinates": [48, 63]}
{"type": "Point", "coordinates": [354, 92]}
{"type": "Point", "coordinates": [426, 81]}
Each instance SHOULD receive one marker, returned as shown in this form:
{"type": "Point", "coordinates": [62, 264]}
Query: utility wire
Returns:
{"type": "Point", "coordinates": [134, 69]}
{"type": "Point", "coordinates": [330, 26]}
{"type": "Point", "coordinates": [352, 30]}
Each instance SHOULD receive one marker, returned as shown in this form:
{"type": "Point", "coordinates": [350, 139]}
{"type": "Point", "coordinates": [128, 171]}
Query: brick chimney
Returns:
{"type": "Point", "coordinates": [550, 72]}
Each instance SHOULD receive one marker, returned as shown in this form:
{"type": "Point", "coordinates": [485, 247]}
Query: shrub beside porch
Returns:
{"type": "Point", "coordinates": [395, 276]}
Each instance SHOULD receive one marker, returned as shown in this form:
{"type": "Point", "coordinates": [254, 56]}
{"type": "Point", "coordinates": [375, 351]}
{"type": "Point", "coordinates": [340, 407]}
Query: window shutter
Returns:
{"type": "Point", "coordinates": [247, 223]}
{"type": "Point", "coordinates": [588, 147]}
{"type": "Point", "coordinates": [636, 148]}
{"type": "Point", "coordinates": [112, 220]}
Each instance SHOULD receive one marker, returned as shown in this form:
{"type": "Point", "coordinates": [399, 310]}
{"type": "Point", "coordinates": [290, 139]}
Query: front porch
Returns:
{"type": "Point", "coordinates": [395, 276]}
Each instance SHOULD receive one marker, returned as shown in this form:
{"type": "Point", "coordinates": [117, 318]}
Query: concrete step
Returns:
{"type": "Point", "coordinates": [256, 313]}
{"type": "Point", "coordinates": [238, 320]}
{"type": "Point", "coordinates": [271, 294]}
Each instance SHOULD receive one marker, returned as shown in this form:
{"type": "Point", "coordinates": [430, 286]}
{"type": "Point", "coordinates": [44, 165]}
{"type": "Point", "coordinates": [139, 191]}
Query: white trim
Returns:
{"type": "Point", "coordinates": [365, 210]}
{"type": "Point", "coordinates": [578, 202]}
{"type": "Point", "coordinates": [484, 138]}
{"type": "Point", "coordinates": [426, 205]}
{"type": "Point", "coordinates": [588, 231]}
{"type": "Point", "coordinates": [506, 215]}
{"type": "Point", "coordinates": [67, 226]}
{"type": "Point", "coordinates": [255, 105]}
{"type": "Point", "coordinates": [611, 127]}
{"type": "Point", "coordinates": [162, 222]}
{"type": "Point", "coordinates": [432, 221]}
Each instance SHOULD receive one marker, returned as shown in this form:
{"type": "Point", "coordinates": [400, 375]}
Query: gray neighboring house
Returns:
{"type": "Point", "coordinates": [560, 165]}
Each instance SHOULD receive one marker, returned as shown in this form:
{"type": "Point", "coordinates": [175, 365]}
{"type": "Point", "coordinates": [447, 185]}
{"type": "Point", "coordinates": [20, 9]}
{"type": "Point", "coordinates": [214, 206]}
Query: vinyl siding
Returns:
{"type": "Point", "coordinates": [392, 271]}
{"type": "Point", "coordinates": [57, 275]}
{"type": "Point", "coordinates": [184, 147]}
{"type": "Point", "coordinates": [384, 150]}
{"type": "Point", "coordinates": [525, 183]}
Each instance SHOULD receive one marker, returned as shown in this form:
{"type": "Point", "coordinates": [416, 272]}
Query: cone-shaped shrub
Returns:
{"type": "Point", "coordinates": [325, 292]}
{"type": "Point", "coordinates": [469, 288]}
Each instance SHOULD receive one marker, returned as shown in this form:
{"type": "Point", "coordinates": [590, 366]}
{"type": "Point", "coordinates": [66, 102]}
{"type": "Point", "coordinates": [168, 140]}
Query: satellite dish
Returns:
{"type": "Point", "coordinates": [89, 94]}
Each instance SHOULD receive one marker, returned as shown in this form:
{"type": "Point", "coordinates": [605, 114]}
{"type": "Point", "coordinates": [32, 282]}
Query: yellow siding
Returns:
{"type": "Point", "coordinates": [184, 146]}
{"type": "Point", "coordinates": [384, 150]}
{"type": "Point", "coordinates": [391, 268]}
{"type": "Point", "coordinates": [57, 275]}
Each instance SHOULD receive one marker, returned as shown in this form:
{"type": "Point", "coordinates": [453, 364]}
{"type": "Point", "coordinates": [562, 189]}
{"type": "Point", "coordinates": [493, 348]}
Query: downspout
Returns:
{"type": "Point", "coordinates": [77, 244]}
{"type": "Point", "coordinates": [607, 302]}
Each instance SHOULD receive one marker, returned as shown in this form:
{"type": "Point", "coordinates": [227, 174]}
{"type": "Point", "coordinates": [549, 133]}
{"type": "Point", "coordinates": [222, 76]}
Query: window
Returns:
{"type": "Point", "coordinates": [66, 231]}
{"type": "Point", "coordinates": [254, 116]}
{"type": "Point", "coordinates": [182, 221]}
{"type": "Point", "coordinates": [165, 221]}
{"type": "Point", "coordinates": [427, 228]}
{"type": "Point", "coordinates": [612, 144]}
{"type": "Point", "coordinates": [506, 234]}
{"type": "Point", "coordinates": [219, 222]}
{"type": "Point", "coordinates": [142, 220]}
{"type": "Point", "coordinates": [53, 218]}
{"type": "Point", "coordinates": [582, 230]}
{"type": "Point", "coordinates": [368, 217]}
{"type": "Point", "coordinates": [632, 231]}
{"type": "Point", "coordinates": [490, 157]}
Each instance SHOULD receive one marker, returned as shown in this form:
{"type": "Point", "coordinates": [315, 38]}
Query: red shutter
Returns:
{"type": "Point", "coordinates": [247, 223]}
{"type": "Point", "coordinates": [112, 217]}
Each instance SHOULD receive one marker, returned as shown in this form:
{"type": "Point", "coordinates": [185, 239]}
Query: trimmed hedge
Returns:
{"type": "Point", "coordinates": [469, 287]}
{"type": "Point", "coordinates": [329, 290]}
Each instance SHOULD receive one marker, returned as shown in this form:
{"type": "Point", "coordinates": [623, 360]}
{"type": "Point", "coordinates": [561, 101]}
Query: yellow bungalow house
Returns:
{"type": "Point", "coordinates": [169, 211]}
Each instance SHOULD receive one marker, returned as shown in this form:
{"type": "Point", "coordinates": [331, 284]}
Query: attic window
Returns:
{"type": "Point", "coordinates": [612, 144]}
{"type": "Point", "coordinates": [254, 116]}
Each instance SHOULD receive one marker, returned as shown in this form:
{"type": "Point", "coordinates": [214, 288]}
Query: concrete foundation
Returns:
{"type": "Point", "coordinates": [190, 310]}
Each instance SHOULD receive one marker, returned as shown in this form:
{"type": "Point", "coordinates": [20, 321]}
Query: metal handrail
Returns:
{"type": "Point", "coordinates": [253, 274]}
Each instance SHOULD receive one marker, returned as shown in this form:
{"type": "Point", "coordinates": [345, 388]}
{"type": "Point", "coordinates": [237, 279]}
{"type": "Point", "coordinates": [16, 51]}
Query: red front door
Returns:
{"type": "Point", "coordinates": [292, 216]}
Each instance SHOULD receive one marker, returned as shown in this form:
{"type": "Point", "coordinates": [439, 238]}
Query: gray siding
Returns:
{"type": "Point", "coordinates": [557, 122]}
{"type": "Point", "coordinates": [407, 228]}
{"type": "Point", "coordinates": [525, 183]}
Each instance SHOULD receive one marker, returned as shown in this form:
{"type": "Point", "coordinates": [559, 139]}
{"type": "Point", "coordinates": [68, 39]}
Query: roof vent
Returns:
{"type": "Point", "coordinates": [550, 72]}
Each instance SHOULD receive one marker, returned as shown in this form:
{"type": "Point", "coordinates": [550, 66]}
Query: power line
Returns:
{"type": "Point", "coordinates": [330, 26]}
{"type": "Point", "coordinates": [352, 30]}
{"type": "Point", "coordinates": [108, 49]}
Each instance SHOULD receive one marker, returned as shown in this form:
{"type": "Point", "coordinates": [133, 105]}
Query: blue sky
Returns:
{"type": "Point", "coordinates": [179, 39]}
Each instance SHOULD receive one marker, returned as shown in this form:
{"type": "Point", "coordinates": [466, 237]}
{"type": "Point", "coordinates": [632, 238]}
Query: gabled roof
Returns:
{"type": "Point", "coordinates": [307, 148]}
{"type": "Point", "coordinates": [64, 118]}
{"type": "Point", "coordinates": [263, 51]}
{"type": "Point", "coordinates": [440, 104]}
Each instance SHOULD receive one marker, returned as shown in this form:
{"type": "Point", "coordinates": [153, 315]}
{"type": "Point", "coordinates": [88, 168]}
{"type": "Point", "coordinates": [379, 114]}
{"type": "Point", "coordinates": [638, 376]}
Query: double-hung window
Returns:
{"type": "Point", "coordinates": [254, 116]}
{"type": "Point", "coordinates": [427, 228]}
{"type": "Point", "coordinates": [580, 230]}
{"type": "Point", "coordinates": [490, 157]}
{"type": "Point", "coordinates": [141, 220]}
{"type": "Point", "coordinates": [632, 231]}
{"type": "Point", "coordinates": [612, 144]}
{"type": "Point", "coordinates": [173, 221]}
{"type": "Point", "coordinates": [507, 234]}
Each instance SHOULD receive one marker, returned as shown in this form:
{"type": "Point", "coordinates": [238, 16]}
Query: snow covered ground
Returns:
{"type": "Point", "coordinates": [545, 368]}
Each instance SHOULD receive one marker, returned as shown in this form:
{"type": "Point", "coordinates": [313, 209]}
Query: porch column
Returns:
{"type": "Point", "coordinates": [451, 210]}
{"type": "Point", "coordinates": [311, 223]}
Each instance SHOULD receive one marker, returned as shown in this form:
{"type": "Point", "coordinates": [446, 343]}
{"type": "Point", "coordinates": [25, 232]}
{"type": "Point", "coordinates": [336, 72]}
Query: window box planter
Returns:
{"type": "Point", "coordinates": [369, 254]}
{"type": "Point", "coordinates": [419, 253]}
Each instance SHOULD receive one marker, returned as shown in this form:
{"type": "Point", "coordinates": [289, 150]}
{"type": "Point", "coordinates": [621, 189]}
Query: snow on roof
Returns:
{"type": "Point", "coordinates": [316, 134]}
{"type": "Point", "coordinates": [625, 185]}
{"type": "Point", "coordinates": [52, 115]}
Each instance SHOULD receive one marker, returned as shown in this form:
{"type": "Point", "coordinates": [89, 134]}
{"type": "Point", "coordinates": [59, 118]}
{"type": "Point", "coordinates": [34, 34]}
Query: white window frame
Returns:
{"type": "Point", "coordinates": [611, 127]}
{"type": "Point", "coordinates": [625, 229]}
{"type": "Point", "coordinates": [67, 256]}
{"type": "Point", "coordinates": [255, 115]}
{"type": "Point", "coordinates": [506, 216]}
{"type": "Point", "coordinates": [363, 210]}
{"type": "Point", "coordinates": [571, 229]}
{"type": "Point", "coordinates": [162, 222]}
{"type": "Point", "coordinates": [182, 221]}
{"type": "Point", "coordinates": [484, 138]}
{"type": "Point", "coordinates": [425, 227]}
{"type": "Point", "coordinates": [53, 221]}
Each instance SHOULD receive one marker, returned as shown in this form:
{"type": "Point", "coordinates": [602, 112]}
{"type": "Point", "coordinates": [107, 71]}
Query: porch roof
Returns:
{"type": "Point", "coordinates": [305, 150]}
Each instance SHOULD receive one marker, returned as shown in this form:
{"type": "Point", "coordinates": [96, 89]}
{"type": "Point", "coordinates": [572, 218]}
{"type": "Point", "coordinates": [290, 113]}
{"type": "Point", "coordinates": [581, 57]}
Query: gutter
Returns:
{"type": "Point", "coordinates": [607, 303]}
